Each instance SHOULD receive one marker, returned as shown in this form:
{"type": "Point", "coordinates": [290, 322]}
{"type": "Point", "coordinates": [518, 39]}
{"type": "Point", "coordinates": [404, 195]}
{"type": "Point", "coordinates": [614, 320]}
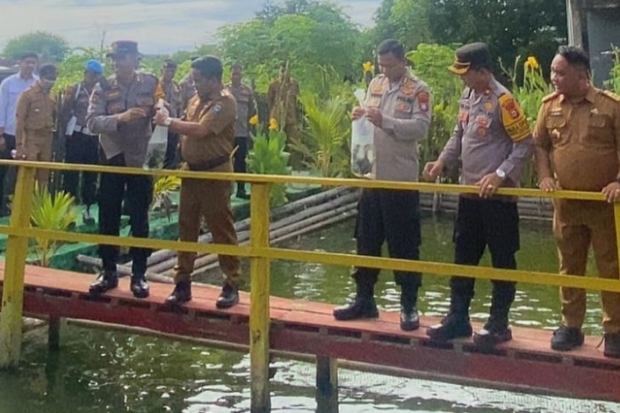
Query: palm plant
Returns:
{"type": "Point", "coordinates": [324, 142]}
{"type": "Point", "coordinates": [269, 157]}
{"type": "Point", "coordinates": [162, 193]}
{"type": "Point", "coordinates": [53, 213]}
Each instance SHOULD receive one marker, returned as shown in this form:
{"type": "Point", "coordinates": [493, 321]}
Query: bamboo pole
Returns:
{"type": "Point", "coordinates": [13, 289]}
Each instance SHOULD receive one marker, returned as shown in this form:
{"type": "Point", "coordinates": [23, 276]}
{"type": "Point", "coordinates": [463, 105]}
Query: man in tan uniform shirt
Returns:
{"type": "Point", "coordinates": [35, 116]}
{"type": "Point", "coordinates": [206, 145]}
{"type": "Point", "coordinates": [578, 138]}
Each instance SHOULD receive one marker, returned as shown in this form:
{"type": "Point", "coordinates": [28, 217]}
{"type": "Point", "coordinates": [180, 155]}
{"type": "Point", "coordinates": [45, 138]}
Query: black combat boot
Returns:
{"type": "Point", "coordinates": [139, 286]}
{"type": "Point", "coordinates": [612, 345]}
{"type": "Point", "coordinates": [182, 293]}
{"type": "Point", "coordinates": [228, 298]}
{"type": "Point", "coordinates": [409, 317]}
{"type": "Point", "coordinates": [496, 330]}
{"type": "Point", "coordinates": [107, 280]}
{"type": "Point", "coordinates": [456, 324]}
{"type": "Point", "coordinates": [363, 306]}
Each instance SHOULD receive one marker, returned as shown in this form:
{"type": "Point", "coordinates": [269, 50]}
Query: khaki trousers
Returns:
{"type": "Point", "coordinates": [211, 200]}
{"type": "Point", "coordinates": [39, 148]}
{"type": "Point", "coordinates": [576, 226]}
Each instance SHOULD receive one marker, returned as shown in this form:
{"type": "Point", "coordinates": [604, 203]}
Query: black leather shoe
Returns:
{"type": "Point", "coordinates": [229, 297]}
{"type": "Point", "coordinates": [566, 338]}
{"type": "Point", "coordinates": [612, 345]}
{"type": "Point", "coordinates": [492, 335]}
{"type": "Point", "coordinates": [359, 308]}
{"type": "Point", "coordinates": [107, 280]}
{"type": "Point", "coordinates": [182, 293]}
{"type": "Point", "coordinates": [450, 328]}
{"type": "Point", "coordinates": [409, 319]}
{"type": "Point", "coordinates": [139, 286]}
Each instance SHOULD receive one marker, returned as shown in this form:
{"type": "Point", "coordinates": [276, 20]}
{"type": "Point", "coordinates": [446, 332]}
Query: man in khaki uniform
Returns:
{"type": "Point", "coordinates": [206, 144]}
{"type": "Point", "coordinates": [34, 117]}
{"type": "Point", "coordinates": [246, 108]}
{"type": "Point", "coordinates": [577, 138]}
{"type": "Point", "coordinates": [172, 91]}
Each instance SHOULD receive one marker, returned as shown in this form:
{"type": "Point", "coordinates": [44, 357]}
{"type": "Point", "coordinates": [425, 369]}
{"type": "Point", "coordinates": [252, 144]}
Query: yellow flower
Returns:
{"type": "Point", "coordinates": [254, 120]}
{"type": "Point", "coordinates": [368, 67]}
{"type": "Point", "coordinates": [532, 63]}
{"type": "Point", "coordinates": [273, 124]}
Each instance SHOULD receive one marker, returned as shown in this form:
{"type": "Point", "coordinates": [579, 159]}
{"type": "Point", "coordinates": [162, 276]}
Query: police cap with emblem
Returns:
{"type": "Point", "coordinates": [471, 56]}
{"type": "Point", "coordinates": [121, 47]}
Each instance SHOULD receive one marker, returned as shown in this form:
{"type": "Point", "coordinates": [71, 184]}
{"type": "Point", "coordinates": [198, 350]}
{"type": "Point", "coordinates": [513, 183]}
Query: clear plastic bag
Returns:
{"type": "Point", "coordinates": [156, 150]}
{"type": "Point", "coordinates": [362, 144]}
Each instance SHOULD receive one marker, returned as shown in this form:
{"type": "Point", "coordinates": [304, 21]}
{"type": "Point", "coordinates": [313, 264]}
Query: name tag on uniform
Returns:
{"type": "Point", "coordinates": [555, 112]}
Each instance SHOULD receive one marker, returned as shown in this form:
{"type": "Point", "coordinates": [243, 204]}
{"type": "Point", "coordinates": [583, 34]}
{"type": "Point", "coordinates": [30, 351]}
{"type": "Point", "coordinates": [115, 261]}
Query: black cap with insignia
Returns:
{"type": "Point", "coordinates": [471, 56]}
{"type": "Point", "coordinates": [121, 47]}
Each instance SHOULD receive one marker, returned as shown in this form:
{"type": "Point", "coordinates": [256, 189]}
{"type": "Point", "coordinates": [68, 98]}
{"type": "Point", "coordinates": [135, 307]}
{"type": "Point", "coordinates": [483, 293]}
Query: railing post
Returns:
{"type": "Point", "coordinates": [259, 306]}
{"type": "Point", "coordinates": [15, 265]}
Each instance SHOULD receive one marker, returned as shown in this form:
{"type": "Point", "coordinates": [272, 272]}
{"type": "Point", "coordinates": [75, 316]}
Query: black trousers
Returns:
{"type": "Point", "coordinates": [481, 223]}
{"type": "Point", "coordinates": [392, 216]}
{"type": "Point", "coordinates": [241, 142]}
{"type": "Point", "coordinates": [5, 154]}
{"type": "Point", "coordinates": [172, 158]}
{"type": "Point", "coordinates": [81, 149]}
{"type": "Point", "coordinates": [139, 194]}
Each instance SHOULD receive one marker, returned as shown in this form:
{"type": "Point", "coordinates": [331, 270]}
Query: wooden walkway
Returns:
{"type": "Point", "coordinates": [302, 327]}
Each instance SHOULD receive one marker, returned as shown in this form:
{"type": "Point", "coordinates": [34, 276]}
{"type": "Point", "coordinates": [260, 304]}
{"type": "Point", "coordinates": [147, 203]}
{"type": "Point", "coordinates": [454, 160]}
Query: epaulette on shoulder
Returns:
{"type": "Point", "coordinates": [610, 95]}
{"type": "Point", "coordinates": [550, 97]}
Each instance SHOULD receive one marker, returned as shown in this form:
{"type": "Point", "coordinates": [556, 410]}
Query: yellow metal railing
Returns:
{"type": "Point", "coordinates": [259, 251]}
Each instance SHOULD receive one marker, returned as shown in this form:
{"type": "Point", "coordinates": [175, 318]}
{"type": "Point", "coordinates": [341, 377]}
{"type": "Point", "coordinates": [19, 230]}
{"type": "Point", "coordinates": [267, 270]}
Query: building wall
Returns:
{"type": "Point", "coordinates": [603, 33]}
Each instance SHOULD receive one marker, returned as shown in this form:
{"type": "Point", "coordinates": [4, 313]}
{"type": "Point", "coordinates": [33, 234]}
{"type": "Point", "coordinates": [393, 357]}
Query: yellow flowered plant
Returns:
{"type": "Point", "coordinates": [273, 124]}
{"type": "Point", "coordinates": [368, 67]}
{"type": "Point", "coordinates": [254, 120]}
{"type": "Point", "coordinates": [532, 63]}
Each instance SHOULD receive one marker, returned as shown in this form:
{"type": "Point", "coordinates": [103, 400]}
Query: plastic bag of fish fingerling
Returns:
{"type": "Point", "coordinates": [156, 150]}
{"type": "Point", "coordinates": [362, 144]}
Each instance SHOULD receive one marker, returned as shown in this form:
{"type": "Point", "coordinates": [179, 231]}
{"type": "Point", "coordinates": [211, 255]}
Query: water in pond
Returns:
{"type": "Point", "coordinates": [99, 371]}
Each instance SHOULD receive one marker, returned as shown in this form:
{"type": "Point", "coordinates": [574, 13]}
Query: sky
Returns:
{"type": "Point", "coordinates": [159, 26]}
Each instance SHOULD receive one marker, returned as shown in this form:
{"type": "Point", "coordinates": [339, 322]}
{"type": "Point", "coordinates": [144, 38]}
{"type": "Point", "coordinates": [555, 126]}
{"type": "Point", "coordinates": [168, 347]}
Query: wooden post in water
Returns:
{"type": "Point", "coordinates": [259, 305]}
{"type": "Point", "coordinates": [56, 327]}
{"type": "Point", "coordinates": [327, 384]}
{"type": "Point", "coordinates": [15, 264]}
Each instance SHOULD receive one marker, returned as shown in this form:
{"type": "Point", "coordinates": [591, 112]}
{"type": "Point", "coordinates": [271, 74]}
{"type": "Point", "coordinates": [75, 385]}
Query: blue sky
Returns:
{"type": "Point", "coordinates": [160, 26]}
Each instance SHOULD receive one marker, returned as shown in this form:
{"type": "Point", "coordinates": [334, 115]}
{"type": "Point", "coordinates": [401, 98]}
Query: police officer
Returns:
{"type": "Point", "coordinates": [175, 107]}
{"type": "Point", "coordinates": [208, 136]}
{"type": "Point", "coordinates": [81, 144]}
{"type": "Point", "coordinates": [188, 89]}
{"type": "Point", "coordinates": [577, 138]}
{"type": "Point", "coordinates": [34, 122]}
{"type": "Point", "coordinates": [397, 104]}
{"type": "Point", "coordinates": [121, 109]}
{"type": "Point", "coordinates": [246, 108]}
{"type": "Point", "coordinates": [493, 140]}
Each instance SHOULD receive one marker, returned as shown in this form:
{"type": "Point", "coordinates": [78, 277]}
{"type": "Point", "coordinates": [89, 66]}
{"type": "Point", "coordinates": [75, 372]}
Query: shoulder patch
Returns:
{"type": "Point", "coordinates": [611, 95]}
{"type": "Point", "coordinates": [423, 100]}
{"type": "Point", "coordinates": [513, 118]}
{"type": "Point", "coordinates": [550, 97]}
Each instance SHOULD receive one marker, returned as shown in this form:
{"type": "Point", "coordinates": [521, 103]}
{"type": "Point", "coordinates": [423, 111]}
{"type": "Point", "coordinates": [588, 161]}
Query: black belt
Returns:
{"type": "Point", "coordinates": [208, 165]}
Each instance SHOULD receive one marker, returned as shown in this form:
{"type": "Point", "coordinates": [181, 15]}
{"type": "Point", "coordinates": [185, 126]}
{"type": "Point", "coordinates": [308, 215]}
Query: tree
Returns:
{"type": "Point", "coordinates": [509, 27]}
{"type": "Point", "coordinates": [50, 47]}
{"type": "Point", "coordinates": [307, 34]}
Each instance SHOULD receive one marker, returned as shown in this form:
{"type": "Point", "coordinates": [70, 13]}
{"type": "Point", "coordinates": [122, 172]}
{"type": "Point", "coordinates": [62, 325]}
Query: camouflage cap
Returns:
{"type": "Point", "coordinates": [121, 47]}
{"type": "Point", "coordinates": [473, 55]}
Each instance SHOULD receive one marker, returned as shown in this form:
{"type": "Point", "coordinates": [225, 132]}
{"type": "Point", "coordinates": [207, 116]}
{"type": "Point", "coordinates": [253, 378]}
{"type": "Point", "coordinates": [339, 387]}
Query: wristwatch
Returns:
{"type": "Point", "coordinates": [168, 121]}
{"type": "Point", "coordinates": [500, 173]}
